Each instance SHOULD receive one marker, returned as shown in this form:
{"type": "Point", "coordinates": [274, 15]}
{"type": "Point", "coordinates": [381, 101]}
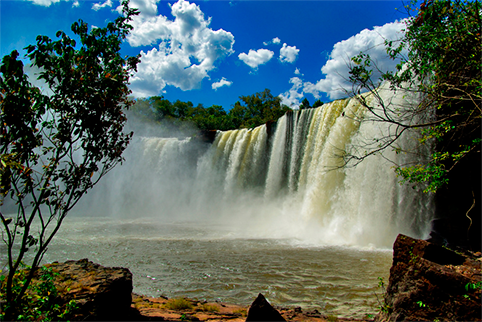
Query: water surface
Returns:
{"type": "Point", "coordinates": [211, 262]}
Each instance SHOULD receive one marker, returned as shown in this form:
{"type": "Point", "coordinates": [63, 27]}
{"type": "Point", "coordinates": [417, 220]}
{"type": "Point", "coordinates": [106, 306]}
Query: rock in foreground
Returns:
{"type": "Point", "coordinates": [261, 310]}
{"type": "Point", "coordinates": [101, 293]}
{"type": "Point", "coordinates": [429, 282]}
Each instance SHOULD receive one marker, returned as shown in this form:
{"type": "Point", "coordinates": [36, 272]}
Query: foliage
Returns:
{"type": "Point", "coordinates": [306, 104]}
{"type": "Point", "coordinates": [383, 307]}
{"type": "Point", "coordinates": [40, 302]}
{"type": "Point", "coordinates": [210, 307]}
{"type": "Point", "coordinates": [241, 311]}
{"type": "Point", "coordinates": [439, 59]}
{"type": "Point", "coordinates": [332, 318]}
{"type": "Point", "coordinates": [178, 304]}
{"type": "Point", "coordinates": [421, 304]}
{"type": "Point", "coordinates": [473, 286]}
{"type": "Point", "coordinates": [257, 109]}
{"type": "Point", "coordinates": [251, 111]}
{"type": "Point", "coordinates": [55, 148]}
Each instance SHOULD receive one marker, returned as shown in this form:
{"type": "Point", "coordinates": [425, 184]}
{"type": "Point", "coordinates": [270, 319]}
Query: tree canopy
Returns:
{"type": "Point", "coordinates": [250, 111]}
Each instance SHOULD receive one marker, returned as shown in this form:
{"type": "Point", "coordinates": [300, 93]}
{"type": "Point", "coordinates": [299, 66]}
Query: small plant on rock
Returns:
{"type": "Point", "coordinates": [178, 304]}
{"type": "Point", "coordinates": [210, 307]}
{"type": "Point", "coordinates": [41, 301]}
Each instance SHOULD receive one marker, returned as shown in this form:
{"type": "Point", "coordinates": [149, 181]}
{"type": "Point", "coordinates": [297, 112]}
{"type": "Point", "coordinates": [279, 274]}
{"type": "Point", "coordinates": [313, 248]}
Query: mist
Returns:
{"type": "Point", "coordinates": [285, 184]}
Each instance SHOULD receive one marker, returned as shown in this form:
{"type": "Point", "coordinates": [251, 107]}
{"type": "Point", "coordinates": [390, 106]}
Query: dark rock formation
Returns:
{"type": "Point", "coordinates": [261, 310]}
{"type": "Point", "coordinates": [207, 136]}
{"type": "Point", "coordinates": [429, 282]}
{"type": "Point", "coordinates": [101, 293]}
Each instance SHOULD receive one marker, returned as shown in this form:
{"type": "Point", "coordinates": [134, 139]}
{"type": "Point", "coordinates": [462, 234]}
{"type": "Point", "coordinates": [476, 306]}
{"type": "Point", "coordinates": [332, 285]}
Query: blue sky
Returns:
{"type": "Point", "coordinates": [212, 52]}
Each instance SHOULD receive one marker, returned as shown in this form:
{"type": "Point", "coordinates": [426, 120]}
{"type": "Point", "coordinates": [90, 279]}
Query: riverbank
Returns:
{"type": "Point", "coordinates": [163, 309]}
{"type": "Point", "coordinates": [428, 282]}
{"type": "Point", "coordinates": [106, 294]}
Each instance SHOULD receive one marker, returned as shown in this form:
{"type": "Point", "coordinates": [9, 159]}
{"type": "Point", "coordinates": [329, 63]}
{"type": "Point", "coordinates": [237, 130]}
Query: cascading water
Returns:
{"type": "Point", "coordinates": [269, 210]}
{"type": "Point", "coordinates": [290, 183]}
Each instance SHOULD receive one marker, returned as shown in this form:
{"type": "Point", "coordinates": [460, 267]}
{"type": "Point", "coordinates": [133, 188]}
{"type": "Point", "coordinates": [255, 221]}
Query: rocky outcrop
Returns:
{"type": "Point", "coordinates": [261, 310]}
{"type": "Point", "coordinates": [101, 293]}
{"type": "Point", "coordinates": [207, 136]}
{"type": "Point", "coordinates": [429, 282]}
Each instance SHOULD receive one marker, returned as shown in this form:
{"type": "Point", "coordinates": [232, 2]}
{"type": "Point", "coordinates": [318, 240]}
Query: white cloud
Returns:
{"type": "Point", "coordinates": [146, 7]}
{"type": "Point", "coordinates": [188, 49]}
{"type": "Point", "coordinates": [275, 41]}
{"type": "Point", "coordinates": [298, 72]}
{"type": "Point", "coordinates": [221, 83]}
{"type": "Point", "coordinates": [45, 3]}
{"type": "Point", "coordinates": [336, 81]}
{"type": "Point", "coordinates": [288, 54]}
{"type": "Point", "coordinates": [255, 58]}
{"type": "Point", "coordinates": [293, 96]}
{"type": "Point", "coordinates": [98, 6]}
{"type": "Point", "coordinates": [76, 4]}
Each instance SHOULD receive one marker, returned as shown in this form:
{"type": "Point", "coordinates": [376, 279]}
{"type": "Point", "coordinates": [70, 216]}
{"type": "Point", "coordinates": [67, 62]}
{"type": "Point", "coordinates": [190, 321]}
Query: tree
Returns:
{"type": "Point", "coordinates": [443, 67]}
{"type": "Point", "coordinates": [440, 62]}
{"type": "Point", "coordinates": [55, 148]}
{"type": "Point", "coordinates": [305, 104]}
{"type": "Point", "coordinates": [258, 109]}
{"type": "Point", "coordinates": [317, 103]}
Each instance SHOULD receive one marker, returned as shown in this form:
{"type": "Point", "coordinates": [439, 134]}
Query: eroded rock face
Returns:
{"type": "Point", "coordinates": [101, 293]}
{"type": "Point", "coordinates": [429, 282]}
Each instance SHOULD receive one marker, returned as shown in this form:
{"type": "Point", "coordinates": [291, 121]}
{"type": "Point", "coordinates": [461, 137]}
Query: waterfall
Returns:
{"type": "Point", "coordinates": [287, 184]}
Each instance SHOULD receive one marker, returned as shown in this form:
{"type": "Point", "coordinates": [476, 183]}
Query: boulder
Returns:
{"type": "Point", "coordinates": [101, 293]}
{"type": "Point", "coordinates": [429, 282]}
{"type": "Point", "coordinates": [261, 310]}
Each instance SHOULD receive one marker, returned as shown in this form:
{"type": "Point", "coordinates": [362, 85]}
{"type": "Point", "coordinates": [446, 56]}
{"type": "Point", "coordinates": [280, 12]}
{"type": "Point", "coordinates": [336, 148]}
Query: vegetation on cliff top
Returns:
{"type": "Point", "coordinates": [250, 111]}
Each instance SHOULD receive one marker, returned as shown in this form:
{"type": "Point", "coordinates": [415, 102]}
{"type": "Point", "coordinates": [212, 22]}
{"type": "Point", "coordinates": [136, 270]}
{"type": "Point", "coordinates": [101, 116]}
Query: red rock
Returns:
{"type": "Point", "coordinates": [428, 282]}
{"type": "Point", "coordinates": [101, 293]}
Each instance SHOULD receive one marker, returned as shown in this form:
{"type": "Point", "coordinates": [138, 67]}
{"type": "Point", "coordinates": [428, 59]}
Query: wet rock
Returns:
{"type": "Point", "coordinates": [261, 310]}
{"type": "Point", "coordinates": [429, 282]}
{"type": "Point", "coordinates": [207, 136]}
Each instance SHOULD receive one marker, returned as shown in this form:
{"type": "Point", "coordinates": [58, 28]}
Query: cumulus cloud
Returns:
{"type": "Point", "coordinates": [45, 3]}
{"type": "Point", "coordinates": [293, 96]}
{"type": "Point", "coordinates": [146, 7]}
{"type": "Point", "coordinates": [288, 54]}
{"type": "Point", "coordinates": [336, 70]}
{"type": "Point", "coordinates": [255, 58]}
{"type": "Point", "coordinates": [298, 72]}
{"type": "Point", "coordinates": [98, 6]}
{"type": "Point", "coordinates": [187, 48]}
{"type": "Point", "coordinates": [275, 41]}
{"type": "Point", "coordinates": [221, 83]}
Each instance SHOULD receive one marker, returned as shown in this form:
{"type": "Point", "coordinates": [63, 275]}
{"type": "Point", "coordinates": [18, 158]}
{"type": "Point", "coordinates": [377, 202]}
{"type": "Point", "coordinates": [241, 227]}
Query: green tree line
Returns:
{"type": "Point", "coordinates": [250, 111]}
